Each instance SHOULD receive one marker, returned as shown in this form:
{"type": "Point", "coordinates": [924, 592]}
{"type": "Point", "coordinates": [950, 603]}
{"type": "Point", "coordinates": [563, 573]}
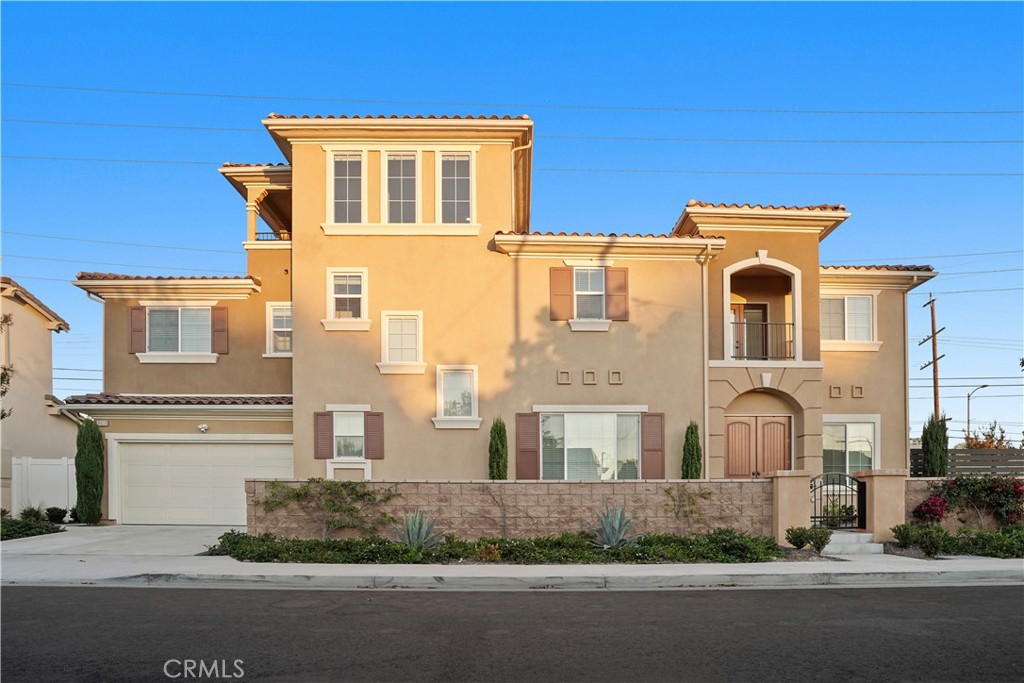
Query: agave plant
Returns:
{"type": "Point", "coordinates": [612, 529]}
{"type": "Point", "coordinates": [417, 531]}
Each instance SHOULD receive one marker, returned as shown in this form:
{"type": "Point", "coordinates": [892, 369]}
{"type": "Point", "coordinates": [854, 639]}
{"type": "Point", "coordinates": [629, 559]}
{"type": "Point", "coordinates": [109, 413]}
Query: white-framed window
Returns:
{"type": "Point", "coordinates": [348, 436]}
{"type": "Point", "coordinates": [848, 444]}
{"type": "Point", "coordinates": [184, 330]}
{"type": "Point", "coordinates": [401, 343]}
{"type": "Point", "coordinates": [456, 173]}
{"type": "Point", "coordinates": [348, 197]}
{"type": "Point", "coordinates": [588, 293]}
{"type": "Point", "coordinates": [847, 318]}
{"type": "Point", "coordinates": [590, 446]}
{"type": "Point", "coordinates": [457, 397]}
{"type": "Point", "coordinates": [279, 328]}
{"type": "Point", "coordinates": [401, 190]}
{"type": "Point", "coordinates": [347, 297]}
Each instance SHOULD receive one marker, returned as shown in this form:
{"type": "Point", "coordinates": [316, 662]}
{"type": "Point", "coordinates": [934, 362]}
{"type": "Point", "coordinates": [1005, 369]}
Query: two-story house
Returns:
{"type": "Point", "coordinates": [397, 300]}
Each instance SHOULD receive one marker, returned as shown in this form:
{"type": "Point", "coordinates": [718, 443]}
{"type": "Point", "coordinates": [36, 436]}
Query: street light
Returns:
{"type": "Point", "coordinates": [967, 440]}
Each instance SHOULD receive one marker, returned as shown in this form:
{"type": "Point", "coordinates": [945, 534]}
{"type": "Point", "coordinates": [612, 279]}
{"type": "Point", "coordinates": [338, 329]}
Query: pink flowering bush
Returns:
{"type": "Point", "coordinates": [1003, 495]}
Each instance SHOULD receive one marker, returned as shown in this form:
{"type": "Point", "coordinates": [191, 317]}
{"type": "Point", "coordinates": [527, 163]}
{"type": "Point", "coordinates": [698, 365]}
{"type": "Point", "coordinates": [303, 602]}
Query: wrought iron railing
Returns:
{"type": "Point", "coordinates": [838, 501]}
{"type": "Point", "coordinates": [762, 341]}
{"type": "Point", "coordinates": [273, 237]}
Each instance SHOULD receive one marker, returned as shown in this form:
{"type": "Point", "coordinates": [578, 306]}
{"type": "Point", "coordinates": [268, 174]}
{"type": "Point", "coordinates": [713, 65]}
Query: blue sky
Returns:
{"type": "Point", "coordinates": [584, 70]}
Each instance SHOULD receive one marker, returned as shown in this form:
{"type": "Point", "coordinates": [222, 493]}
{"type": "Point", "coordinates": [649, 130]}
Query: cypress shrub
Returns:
{"type": "Point", "coordinates": [935, 447]}
{"type": "Point", "coordinates": [691, 452]}
{"type": "Point", "coordinates": [497, 451]}
{"type": "Point", "coordinates": [89, 472]}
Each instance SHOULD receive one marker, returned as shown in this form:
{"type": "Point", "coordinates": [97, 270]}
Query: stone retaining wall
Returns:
{"type": "Point", "coordinates": [471, 509]}
{"type": "Point", "coordinates": [918, 488]}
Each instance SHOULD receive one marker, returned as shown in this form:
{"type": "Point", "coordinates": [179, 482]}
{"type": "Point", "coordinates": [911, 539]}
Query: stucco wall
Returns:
{"type": "Point", "coordinates": [472, 509]}
{"type": "Point", "coordinates": [918, 488]}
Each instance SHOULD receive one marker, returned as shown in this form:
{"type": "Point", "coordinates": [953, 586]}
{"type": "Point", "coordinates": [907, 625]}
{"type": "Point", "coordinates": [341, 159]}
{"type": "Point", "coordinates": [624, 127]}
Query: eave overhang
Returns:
{"type": "Point", "coordinates": [697, 219]}
{"type": "Point", "coordinates": [171, 288]}
{"type": "Point", "coordinates": [641, 248]}
{"type": "Point", "coordinates": [12, 290]}
{"type": "Point", "coordinates": [859, 277]}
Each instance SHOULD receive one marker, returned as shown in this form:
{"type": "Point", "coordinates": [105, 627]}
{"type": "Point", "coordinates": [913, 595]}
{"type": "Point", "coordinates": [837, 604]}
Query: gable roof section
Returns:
{"type": "Point", "coordinates": [13, 290]}
{"type": "Point", "coordinates": [178, 400]}
{"type": "Point", "coordinates": [118, 286]}
{"type": "Point", "coordinates": [699, 216]}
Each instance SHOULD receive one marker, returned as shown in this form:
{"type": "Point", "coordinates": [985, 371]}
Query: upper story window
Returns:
{"type": "Point", "coordinates": [457, 403]}
{"type": "Point", "coordinates": [847, 318]}
{"type": "Point", "coordinates": [401, 187]}
{"type": "Point", "coordinates": [456, 201]}
{"type": "Point", "coordinates": [348, 188]}
{"type": "Point", "coordinates": [348, 435]}
{"type": "Point", "coordinates": [401, 343]}
{"type": "Point", "coordinates": [279, 329]}
{"type": "Point", "coordinates": [346, 300]}
{"type": "Point", "coordinates": [589, 293]}
{"type": "Point", "coordinates": [589, 297]}
{"type": "Point", "coordinates": [179, 330]}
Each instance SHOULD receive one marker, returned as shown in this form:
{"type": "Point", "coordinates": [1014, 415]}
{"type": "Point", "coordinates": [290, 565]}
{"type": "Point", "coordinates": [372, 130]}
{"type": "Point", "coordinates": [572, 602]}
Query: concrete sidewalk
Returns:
{"type": "Point", "coordinates": [163, 556]}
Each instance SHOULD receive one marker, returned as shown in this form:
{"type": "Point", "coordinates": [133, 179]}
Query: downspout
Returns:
{"type": "Point", "coordinates": [512, 165]}
{"type": "Point", "coordinates": [703, 259]}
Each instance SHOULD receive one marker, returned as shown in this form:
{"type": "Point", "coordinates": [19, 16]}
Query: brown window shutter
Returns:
{"type": "Point", "coordinates": [219, 330]}
{"type": "Point", "coordinates": [137, 330]}
{"type": "Point", "coordinates": [323, 436]}
{"type": "Point", "coordinates": [528, 445]}
{"type": "Point", "coordinates": [373, 436]}
{"type": "Point", "coordinates": [616, 293]}
{"type": "Point", "coordinates": [652, 443]}
{"type": "Point", "coordinates": [561, 293]}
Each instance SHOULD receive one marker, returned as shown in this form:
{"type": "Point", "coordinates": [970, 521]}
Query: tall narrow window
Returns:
{"type": "Point", "coordinates": [348, 435]}
{"type": "Point", "coordinates": [348, 295]}
{"type": "Point", "coordinates": [457, 405]}
{"type": "Point", "coordinates": [401, 188]}
{"type": "Point", "coordinates": [401, 343]}
{"type": "Point", "coordinates": [455, 199]}
{"type": "Point", "coordinates": [348, 188]}
{"type": "Point", "coordinates": [589, 293]}
{"type": "Point", "coordinates": [402, 339]}
{"type": "Point", "coordinates": [832, 315]}
{"type": "Point", "coordinates": [279, 329]}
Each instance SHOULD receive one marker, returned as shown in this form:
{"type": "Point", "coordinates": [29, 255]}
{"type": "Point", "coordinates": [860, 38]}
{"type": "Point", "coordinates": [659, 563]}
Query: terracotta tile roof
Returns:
{"type": "Point", "coordinates": [470, 117]}
{"type": "Point", "coordinates": [614, 234]}
{"type": "Point", "coordinates": [177, 400]}
{"type": "Point", "coordinates": [234, 164]}
{"type": "Point", "coordinates": [117, 276]}
{"type": "Point", "coordinates": [31, 299]}
{"type": "Point", "coordinates": [779, 207]}
{"type": "Point", "coordinates": [908, 269]}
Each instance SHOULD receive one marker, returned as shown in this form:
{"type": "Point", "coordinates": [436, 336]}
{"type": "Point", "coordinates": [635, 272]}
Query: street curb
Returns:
{"type": "Point", "coordinates": [561, 582]}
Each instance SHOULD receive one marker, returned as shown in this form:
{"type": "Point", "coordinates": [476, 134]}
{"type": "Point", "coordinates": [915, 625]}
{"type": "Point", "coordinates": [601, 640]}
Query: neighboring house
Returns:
{"type": "Point", "coordinates": [38, 427]}
{"type": "Point", "coordinates": [397, 301]}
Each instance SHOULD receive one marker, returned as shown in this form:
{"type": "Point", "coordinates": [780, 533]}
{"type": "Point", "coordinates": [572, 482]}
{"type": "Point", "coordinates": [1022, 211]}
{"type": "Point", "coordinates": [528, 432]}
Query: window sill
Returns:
{"type": "Point", "coordinates": [277, 355]}
{"type": "Point", "coordinates": [402, 368]}
{"type": "Point", "coordinates": [156, 357]}
{"type": "Point", "coordinates": [590, 325]}
{"type": "Point", "coordinates": [346, 324]}
{"type": "Point", "coordinates": [841, 345]}
{"type": "Point", "coordinates": [348, 461]}
{"type": "Point", "coordinates": [456, 422]}
{"type": "Point", "coordinates": [406, 229]}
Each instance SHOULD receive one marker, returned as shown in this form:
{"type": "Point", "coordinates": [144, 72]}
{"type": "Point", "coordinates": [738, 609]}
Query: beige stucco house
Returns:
{"type": "Point", "coordinates": [397, 300]}
{"type": "Point", "coordinates": [37, 427]}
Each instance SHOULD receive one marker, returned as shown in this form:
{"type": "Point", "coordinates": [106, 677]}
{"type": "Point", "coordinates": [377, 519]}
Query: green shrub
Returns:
{"type": "Point", "coordinates": [332, 504]}
{"type": "Point", "coordinates": [932, 539]}
{"type": "Point", "coordinates": [612, 530]}
{"type": "Point", "coordinates": [417, 531]}
{"type": "Point", "coordinates": [692, 457]}
{"type": "Point", "coordinates": [74, 514]}
{"type": "Point", "coordinates": [24, 528]}
{"type": "Point", "coordinates": [906, 534]}
{"type": "Point", "coordinates": [56, 515]}
{"type": "Point", "coordinates": [797, 536]}
{"type": "Point", "coordinates": [497, 451]}
{"type": "Point", "coordinates": [32, 514]}
{"type": "Point", "coordinates": [819, 538]}
{"type": "Point", "coordinates": [4, 512]}
{"type": "Point", "coordinates": [89, 472]}
{"type": "Point", "coordinates": [935, 447]}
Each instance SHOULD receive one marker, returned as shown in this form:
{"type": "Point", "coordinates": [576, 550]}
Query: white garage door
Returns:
{"type": "Point", "coordinates": [195, 483]}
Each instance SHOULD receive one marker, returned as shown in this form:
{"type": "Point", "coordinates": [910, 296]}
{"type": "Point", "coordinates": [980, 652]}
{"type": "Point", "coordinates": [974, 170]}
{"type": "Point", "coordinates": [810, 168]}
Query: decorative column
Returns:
{"type": "Point", "coordinates": [886, 501]}
{"type": "Point", "coordinates": [791, 501]}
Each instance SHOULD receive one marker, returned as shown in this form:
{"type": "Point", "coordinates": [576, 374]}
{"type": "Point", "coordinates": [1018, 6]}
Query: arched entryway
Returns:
{"type": "Point", "coordinates": [762, 310]}
{"type": "Point", "coordinates": [759, 428]}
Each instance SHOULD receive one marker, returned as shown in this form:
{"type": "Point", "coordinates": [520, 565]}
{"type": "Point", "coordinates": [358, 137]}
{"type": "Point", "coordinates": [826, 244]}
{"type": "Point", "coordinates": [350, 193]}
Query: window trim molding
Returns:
{"type": "Point", "coordinates": [387, 367]}
{"type": "Point", "coordinates": [384, 190]}
{"type": "Point", "coordinates": [332, 152]}
{"type": "Point", "coordinates": [332, 324]}
{"type": "Point", "coordinates": [177, 356]}
{"type": "Point", "coordinates": [874, 419]}
{"type": "Point", "coordinates": [471, 421]}
{"type": "Point", "coordinates": [474, 221]}
{"type": "Point", "coordinates": [873, 344]}
{"type": "Point", "coordinates": [269, 349]}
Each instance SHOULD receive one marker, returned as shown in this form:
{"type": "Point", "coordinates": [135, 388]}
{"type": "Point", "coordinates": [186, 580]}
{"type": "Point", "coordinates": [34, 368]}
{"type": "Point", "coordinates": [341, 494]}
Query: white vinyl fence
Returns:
{"type": "Point", "coordinates": [46, 482]}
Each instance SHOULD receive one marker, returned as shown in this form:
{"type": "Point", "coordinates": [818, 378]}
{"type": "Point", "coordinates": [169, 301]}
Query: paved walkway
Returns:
{"type": "Point", "coordinates": [165, 556]}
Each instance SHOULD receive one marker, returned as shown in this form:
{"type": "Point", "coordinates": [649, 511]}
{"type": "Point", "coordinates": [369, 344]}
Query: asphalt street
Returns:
{"type": "Point", "coordinates": [152, 634]}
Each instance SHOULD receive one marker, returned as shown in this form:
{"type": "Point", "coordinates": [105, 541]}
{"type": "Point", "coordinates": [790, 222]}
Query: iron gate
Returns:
{"type": "Point", "coordinates": [838, 501]}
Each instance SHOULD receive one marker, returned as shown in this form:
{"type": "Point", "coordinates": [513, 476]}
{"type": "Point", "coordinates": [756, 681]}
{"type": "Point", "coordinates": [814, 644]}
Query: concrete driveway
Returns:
{"type": "Point", "coordinates": [119, 540]}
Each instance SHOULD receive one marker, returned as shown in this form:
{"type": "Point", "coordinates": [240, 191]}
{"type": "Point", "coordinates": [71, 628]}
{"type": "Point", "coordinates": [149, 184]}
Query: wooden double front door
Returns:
{"type": "Point", "coordinates": [757, 445]}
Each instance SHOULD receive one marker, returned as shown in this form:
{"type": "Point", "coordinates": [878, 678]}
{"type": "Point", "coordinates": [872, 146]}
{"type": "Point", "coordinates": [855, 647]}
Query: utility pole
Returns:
{"type": "Point", "coordinates": [934, 362]}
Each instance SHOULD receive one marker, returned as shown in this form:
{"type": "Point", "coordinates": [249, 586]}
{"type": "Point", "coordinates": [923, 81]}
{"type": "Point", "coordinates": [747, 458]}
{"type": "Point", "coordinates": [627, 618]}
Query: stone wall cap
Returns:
{"type": "Point", "coordinates": [881, 473]}
{"type": "Point", "coordinates": [780, 474]}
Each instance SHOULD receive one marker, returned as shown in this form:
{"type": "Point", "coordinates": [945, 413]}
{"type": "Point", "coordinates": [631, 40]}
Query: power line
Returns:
{"type": "Point", "coordinates": [608, 138]}
{"type": "Point", "coordinates": [647, 171]}
{"type": "Point", "coordinates": [108, 263]}
{"type": "Point", "coordinates": [977, 253]}
{"type": "Point", "coordinates": [595, 107]}
{"type": "Point", "coordinates": [970, 291]}
{"type": "Point", "coordinates": [123, 244]}
{"type": "Point", "coordinates": [36, 277]}
{"type": "Point", "coordinates": [982, 272]}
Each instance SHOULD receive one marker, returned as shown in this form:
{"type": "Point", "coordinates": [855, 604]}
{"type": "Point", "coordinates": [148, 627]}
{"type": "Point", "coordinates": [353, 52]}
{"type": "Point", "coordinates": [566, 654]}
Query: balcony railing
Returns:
{"type": "Point", "coordinates": [273, 237]}
{"type": "Point", "coordinates": [762, 341]}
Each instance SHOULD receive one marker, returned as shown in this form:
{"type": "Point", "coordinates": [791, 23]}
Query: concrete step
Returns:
{"type": "Point", "coordinates": [834, 548]}
{"type": "Point", "coordinates": [845, 537]}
